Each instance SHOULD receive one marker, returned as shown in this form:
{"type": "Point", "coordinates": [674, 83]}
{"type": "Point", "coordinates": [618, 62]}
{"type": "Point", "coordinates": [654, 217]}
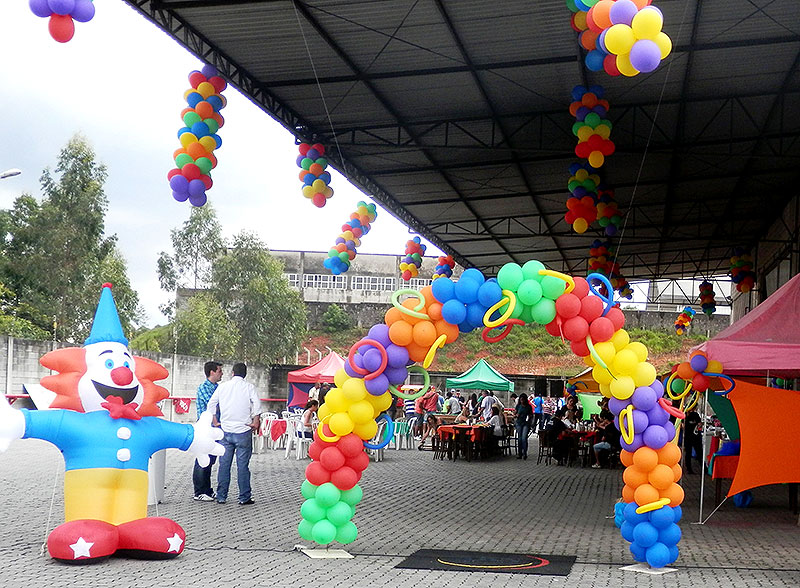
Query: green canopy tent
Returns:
{"type": "Point", "coordinates": [481, 376]}
{"type": "Point", "coordinates": [589, 404]}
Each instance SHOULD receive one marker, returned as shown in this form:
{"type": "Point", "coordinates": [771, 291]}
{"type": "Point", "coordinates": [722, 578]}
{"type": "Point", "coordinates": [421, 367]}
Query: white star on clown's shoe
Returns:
{"type": "Point", "coordinates": [81, 548]}
{"type": "Point", "coordinates": [175, 543]}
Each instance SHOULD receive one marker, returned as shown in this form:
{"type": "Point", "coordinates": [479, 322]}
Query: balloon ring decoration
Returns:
{"type": "Point", "coordinates": [410, 312]}
{"type": "Point", "coordinates": [609, 299]}
{"type": "Point", "coordinates": [626, 427]}
{"type": "Point", "coordinates": [687, 388]}
{"type": "Point", "coordinates": [438, 344]}
{"type": "Point", "coordinates": [321, 431]}
{"type": "Point", "coordinates": [426, 382]}
{"type": "Point", "coordinates": [671, 410]}
{"type": "Point", "coordinates": [651, 506]}
{"type": "Point", "coordinates": [723, 377]}
{"type": "Point", "coordinates": [389, 433]}
{"type": "Point", "coordinates": [507, 326]}
{"type": "Point", "coordinates": [511, 300]}
{"type": "Point", "coordinates": [568, 279]}
{"type": "Point", "coordinates": [364, 372]}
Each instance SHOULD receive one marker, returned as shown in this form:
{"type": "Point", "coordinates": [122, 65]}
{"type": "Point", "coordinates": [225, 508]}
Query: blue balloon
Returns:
{"type": "Point", "coordinates": [597, 90]}
{"type": "Point", "coordinates": [673, 554]}
{"type": "Point", "coordinates": [217, 140]}
{"type": "Point", "coordinates": [490, 293]}
{"type": "Point", "coordinates": [312, 154]}
{"type": "Point", "coordinates": [657, 555]}
{"type": "Point", "coordinates": [326, 177]}
{"type": "Point", "coordinates": [466, 290]}
{"type": "Point", "coordinates": [645, 534]}
{"type": "Point", "coordinates": [594, 60]}
{"type": "Point", "coordinates": [308, 179]}
{"type": "Point", "coordinates": [215, 102]}
{"type": "Point", "coordinates": [639, 553]}
{"type": "Point", "coordinates": [466, 327]}
{"type": "Point", "coordinates": [453, 311]}
{"type": "Point", "coordinates": [574, 167]}
{"type": "Point", "coordinates": [678, 512]}
{"type": "Point", "coordinates": [475, 312]}
{"type": "Point", "coordinates": [183, 130]}
{"type": "Point", "coordinates": [632, 516]}
{"type": "Point", "coordinates": [473, 274]}
{"type": "Point", "coordinates": [578, 92]}
{"type": "Point", "coordinates": [194, 99]}
{"type": "Point", "coordinates": [662, 518]}
{"type": "Point", "coordinates": [626, 530]}
{"type": "Point", "coordinates": [443, 290]}
{"type": "Point", "coordinates": [671, 535]}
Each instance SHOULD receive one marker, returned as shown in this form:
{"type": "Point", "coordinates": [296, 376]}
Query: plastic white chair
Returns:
{"type": "Point", "coordinates": [377, 454]}
{"type": "Point", "coordinates": [265, 438]}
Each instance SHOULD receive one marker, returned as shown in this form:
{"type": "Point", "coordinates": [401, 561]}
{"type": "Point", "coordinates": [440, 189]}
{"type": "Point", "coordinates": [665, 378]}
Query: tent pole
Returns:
{"type": "Point", "coordinates": [702, 457]}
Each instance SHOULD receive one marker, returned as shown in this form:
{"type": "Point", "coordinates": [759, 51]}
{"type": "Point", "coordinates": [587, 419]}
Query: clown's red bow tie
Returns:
{"type": "Point", "coordinates": [118, 410]}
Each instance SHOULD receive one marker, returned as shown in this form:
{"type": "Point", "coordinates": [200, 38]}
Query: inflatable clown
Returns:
{"type": "Point", "coordinates": [105, 422]}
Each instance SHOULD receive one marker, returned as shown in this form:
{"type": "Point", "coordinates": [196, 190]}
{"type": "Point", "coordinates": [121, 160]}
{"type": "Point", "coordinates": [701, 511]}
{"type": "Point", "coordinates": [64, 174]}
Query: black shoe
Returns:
{"type": "Point", "coordinates": [525, 456]}
{"type": "Point", "coordinates": [248, 501]}
{"type": "Point", "coordinates": [519, 457]}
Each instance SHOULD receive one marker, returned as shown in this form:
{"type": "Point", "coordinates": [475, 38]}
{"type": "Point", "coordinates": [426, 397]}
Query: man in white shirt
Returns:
{"type": "Point", "coordinates": [486, 405]}
{"type": "Point", "coordinates": [452, 405]}
{"type": "Point", "coordinates": [239, 408]}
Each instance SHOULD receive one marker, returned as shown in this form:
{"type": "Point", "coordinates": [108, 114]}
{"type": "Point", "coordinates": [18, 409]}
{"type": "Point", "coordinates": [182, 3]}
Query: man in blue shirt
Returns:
{"type": "Point", "coordinates": [201, 476]}
{"type": "Point", "coordinates": [538, 412]}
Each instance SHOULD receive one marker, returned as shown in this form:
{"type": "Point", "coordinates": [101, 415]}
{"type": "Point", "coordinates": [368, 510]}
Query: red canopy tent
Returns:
{"type": "Point", "coordinates": [301, 381]}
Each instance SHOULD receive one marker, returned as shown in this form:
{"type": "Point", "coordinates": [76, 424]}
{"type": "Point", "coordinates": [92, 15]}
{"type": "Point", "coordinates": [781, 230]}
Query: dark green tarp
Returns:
{"type": "Point", "coordinates": [481, 376]}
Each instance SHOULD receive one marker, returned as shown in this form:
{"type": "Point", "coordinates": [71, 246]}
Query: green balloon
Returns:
{"type": "Point", "coordinates": [304, 528]}
{"type": "Point", "coordinates": [572, 185]}
{"type": "Point", "coordinates": [182, 160]}
{"type": "Point", "coordinates": [544, 311]}
{"type": "Point", "coordinates": [306, 162]}
{"type": "Point", "coordinates": [333, 253]}
{"type": "Point", "coordinates": [525, 314]}
{"type": "Point", "coordinates": [416, 257]}
{"type": "Point", "coordinates": [678, 385]}
{"type": "Point", "coordinates": [531, 269]}
{"type": "Point", "coordinates": [347, 533]}
{"type": "Point", "coordinates": [327, 495]}
{"type": "Point", "coordinates": [307, 489]}
{"type": "Point", "coordinates": [340, 513]}
{"type": "Point", "coordinates": [322, 161]}
{"type": "Point", "coordinates": [592, 119]}
{"type": "Point", "coordinates": [607, 122]}
{"type": "Point", "coordinates": [213, 126]}
{"type": "Point", "coordinates": [204, 163]}
{"type": "Point", "coordinates": [552, 287]}
{"type": "Point", "coordinates": [577, 127]}
{"type": "Point", "coordinates": [510, 277]}
{"type": "Point", "coordinates": [352, 496]}
{"type": "Point", "coordinates": [344, 256]}
{"type": "Point", "coordinates": [589, 185]}
{"type": "Point", "coordinates": [529, 292]}
{"type": "Point", "coordinates": [312, 511]}
{"type": "Point", "coordinates": [323, 532]}
{"type": "Point", "coordinates": [571, 6]}
{"type": "Point", "coordinates": [190, 118]}
{"type": "Point", "coordinates": [517, 312]}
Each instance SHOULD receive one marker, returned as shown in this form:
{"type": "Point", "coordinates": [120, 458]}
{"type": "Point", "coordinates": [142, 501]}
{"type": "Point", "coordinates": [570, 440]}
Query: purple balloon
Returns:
{"type": "Point", "coordinates": [372, 360]}
{"type": "Point", "coordinates": [196, 188]}
{"type": "Point", "coordinates": [198, 200]}
{"type": "Point", "coordinates": [396, 375]}
{"type": "Point", "coordinates": [339, 240]}
{"type": "Point", "coordinates": [644, 398]}
{"type": "Point", "coordinates": [299, 160]}
{"type": "Point", "coordinates": [657, 415]}
{"type": "Point", "coordinates": [622, 12]}
{"type": "Point", "coordinates": [601, 42]}
{"type": "Point", "coordinates": [40, 8]}
{"type": "Point", "coordinates": [358, 360]}
{"type": "Point", "coordinates": [179, 184]}
{"type": "Point", "coordinates": [581, 113]}
{"type": "Point", "coordinates": [655, 437]}
{"type": "Point", "coordinates": [645, 55]}
{"type": "Point", "coordinates": [61, 6]}
{"type": "Point", "coordinates": [636, 444]}
{"type": "Point", "coordinates": [209, 71]}
{"type": "Point", "coordinates": [350, 371]}
{"type": "Point", "coordinates": [397, 355]}
{"type": "Point", "coordinates": [611, 230]}
{"type": "Point", "coordinates": [658, 387]}
{"type": "Point", "coordinates": [312, 154]}
{"type": "Point", "coordinates": [640, 420]}
{"type": "Point", "coordinates": [83, 11]}
{"type": "Point", "coordinates": [699, 363]}
{"type": "Point", "coordinates": [379, 333]}
{"type": "Point", "coordinates": [616, 405]}
{"type": "Point", "coordinates": [377, 385]}
{"type": "Point", "coordinates": [180, 196]}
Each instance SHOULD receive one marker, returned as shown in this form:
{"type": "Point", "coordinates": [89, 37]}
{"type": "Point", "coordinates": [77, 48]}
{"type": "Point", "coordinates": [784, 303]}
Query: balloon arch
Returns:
{"type": "Point", "coordinates": [581, 311]}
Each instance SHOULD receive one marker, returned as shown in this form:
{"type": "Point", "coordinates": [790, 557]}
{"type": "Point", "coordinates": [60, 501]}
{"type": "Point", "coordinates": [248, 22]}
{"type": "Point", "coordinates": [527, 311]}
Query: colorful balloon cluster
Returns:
{"type": "Point", "coordinates": [601, 261]}
{"type": "Point", "coordinates": [654, 535]}
{"type": "Point", "coordinates": [62, 13]}
{"type": "Point", "coordinates": [315, 179]}
{"type": "Point", "coordinates": [444, 267]}
{"type": "Point", "coordinates": [535, 293]}
{"type": "Point", "coordinates": [344, 250]}
{"type": "Point", "coordinates": [465, 302]}
{"type": "Point", "coordinates": [195, 159]}
{"type": "Point", "coordinates": [582, 206]}
{"type": "Point", "coordinates": [707, 302]}
{"type": "Point", "coordinates": [742, 273]}
{"type": "Point", "coordinates": [409, 267]}
{"type": "Point", "coordinates": [684, 320]}
{"type": "Point", "coordinates": [591, 127]}
{"type": "Point", "coordinates": [608, 214]}
{"type": "Point", "coordinates": [695, 371]}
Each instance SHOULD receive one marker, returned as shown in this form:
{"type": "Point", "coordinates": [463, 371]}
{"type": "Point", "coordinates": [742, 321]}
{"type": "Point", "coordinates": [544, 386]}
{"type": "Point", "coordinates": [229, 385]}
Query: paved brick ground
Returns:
{"type": "Point", "coordinates": [506, 505]}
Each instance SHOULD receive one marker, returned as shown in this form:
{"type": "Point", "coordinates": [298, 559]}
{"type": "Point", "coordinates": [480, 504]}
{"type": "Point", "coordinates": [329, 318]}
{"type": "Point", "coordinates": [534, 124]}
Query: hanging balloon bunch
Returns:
{"type": "Point", "coordinates": [316, 181]}
{"type": "Point", "coordinates": [608, 214]}
{"type": "Point", "coordinates": [582, 206]}
{"type": "Point", "coordinates": [707, 302]}
{"type": "Point", "coordinates": [409, 267]}
{"type": "Point", "coordinates": [693, 374]}
{"type": "Point", "coordinates": [344, 250]}
{"type": "Point", "coordinates": [592, 127]}
{"type": "Point", "coordinates": [742, 273]}
{"type": "Point", "coordinates": [684, 320]}
{"type": "Point", "coordinates": [195, 159]}
{"type": "Point", "coordinates": [444, 267]}
{"type": "Point", "coordinates": [601, 260]}
{"type": "Point", "coordinates": [62, 13]}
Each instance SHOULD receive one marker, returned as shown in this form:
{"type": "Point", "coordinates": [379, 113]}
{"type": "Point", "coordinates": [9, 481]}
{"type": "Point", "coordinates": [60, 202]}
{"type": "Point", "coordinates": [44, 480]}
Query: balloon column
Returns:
{"type": "Point", "coordinates": [62, 13]}
{"type": "Point", "coordinates": [608, 213]}
{"type": "Point", "coordinates": [592, 127]}
{"type": "Point", "coordinates": [601, 260]}
{"type": "Point", "coordinates": [581, 207]}
{"type": "Point", "coordinates": [195, 159]}
{"type": "Point", "coordinates": [444, 267]}
{"type": "Point", "coordinates": [316, 181]}
{"type": "Point", "coordinates": [742, 273]}
{"type": "Point", "coordinates": [707, 302]}
{"type": "Point", "coordinates": [344, 250]}
{"type": "Point", "coordinates": [684, 320]}
{"type": "Point", "coordinates": [409, 267]}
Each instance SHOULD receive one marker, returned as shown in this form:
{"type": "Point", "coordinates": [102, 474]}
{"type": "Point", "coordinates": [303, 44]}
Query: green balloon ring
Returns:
{"type": "Point", "coordinates": [426, 381]}
{"type": "Point", "coordinates": [410, 312]}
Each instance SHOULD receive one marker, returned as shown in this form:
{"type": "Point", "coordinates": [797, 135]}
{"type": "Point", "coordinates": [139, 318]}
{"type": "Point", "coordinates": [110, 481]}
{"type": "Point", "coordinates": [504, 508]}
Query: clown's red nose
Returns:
{"type": "Point", "coordinates": [122, 376]}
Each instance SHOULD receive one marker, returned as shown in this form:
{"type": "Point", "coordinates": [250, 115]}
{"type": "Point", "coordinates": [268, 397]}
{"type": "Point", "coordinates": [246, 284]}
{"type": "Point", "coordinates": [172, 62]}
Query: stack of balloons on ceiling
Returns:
{"type": "Point", "coordinates": [591, 126]}
{"type": "Point", "coordinates": [315, 179]}
{"type": "Point", "coordinates": [444, 267]}
{"type": "Point", "coordinates": [62, 13]}
{"type": "Point", "coordinates": [195, 159]}
{"type": "Point", "coordinates": [684, 320]}
{"type": "Point", "coordinates": [409, 266]}
{"type": "Point", "coordinates": [707, 302]}
{"type": "Point", "coordinates": [344, 251]}
{"type": "Point", "coordinates": [601, 261]}
{"type": "Point", "coordinates": [742, 273]}
{"type": "Point", "coordinates": [412, 332]}
{"type": "Point", "coordinates": [621, 36]}
{"type": "Point", "coordinates": [591, 200]}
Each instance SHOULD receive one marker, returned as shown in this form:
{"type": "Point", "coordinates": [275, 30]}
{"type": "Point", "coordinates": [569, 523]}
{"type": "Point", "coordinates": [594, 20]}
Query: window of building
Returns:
{"type": "Point", "coordinates": [293, 279]}
{"type": "Point", "coordinates": [324, 281]}
{"type": "Point", "coordinates": [373, 283]}
{"type": "Point", "coordinates": [417, 283]}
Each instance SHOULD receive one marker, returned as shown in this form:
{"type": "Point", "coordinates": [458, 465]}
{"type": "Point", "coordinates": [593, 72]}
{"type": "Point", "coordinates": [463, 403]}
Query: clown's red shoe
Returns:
{"type": "Point", "coordinates": [83, 541]}
{"type": "Point", "coordinates": [151, 538]}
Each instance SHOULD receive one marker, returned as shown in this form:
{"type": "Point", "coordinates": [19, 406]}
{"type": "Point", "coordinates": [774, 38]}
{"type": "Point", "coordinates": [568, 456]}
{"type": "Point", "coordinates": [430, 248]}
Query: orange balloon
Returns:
{"type": "Point", "coordinates": [634, 477]}
{"type": "Point", "coordinates": [626, 457]}
{"type": "Point", "coordinates": [434, 311]}
{"type": "Point", "coordinates": [351, 254]}
{"type": "Point", "coordinates": [645, 494]}
{"type": "Point", "coordinates": [445, 328]}
{"type": "Point", "coordinates": [178, 152]}
{"type": "Point", "coordinates": [588, 39]}
{"type": "Point", "coordinates": [674, 493]}
{"type": "Point", "coordinates": [641, 4]}
{"type": "Point", "coordinates": [677, 472]}
{"type": "Point", "coordinates": [427, 294]}
{"type": "Point", "coordinates": [424, 334]}
{"type": "Point", "coordinates": [670, 454]}
{"type": "Point", "coordinates": [218, 117]}
{"type": "Point", "coordinates": [302, 175]}
{"type": "Point", "coordinates": [315, 169]}
{"type": "Point", "coordinates": [685, 371]}
{"type": "Point", "coordinates": [213, 159]}
{"type": "Point", "coordinates": [600, 13]}
{"type": "Point", "coordinates": [589, 99]}
{"type": "Point", "coordinates": [645, 459]}
{"type": "Point", "coordinates": [661, 477]}
{"type": "Point", "coordinates": [340, 247]}
{"type": "Point", "coordinates": [204, 109]}
{"type": "Point", "coordinates": [627, 493]}
{"type": "Point", "coordinates": [196, 150]}
{"type": "Point", "coordinates": [392, 316]}
{"type": "Point", "coordinates": [401, 333]}
{"type": "Point", "coordinates": [410, 303]}
{"type": "Point", "coordinates": [416, 352]}
{"type": "Point", "coordinates": [573, 108]}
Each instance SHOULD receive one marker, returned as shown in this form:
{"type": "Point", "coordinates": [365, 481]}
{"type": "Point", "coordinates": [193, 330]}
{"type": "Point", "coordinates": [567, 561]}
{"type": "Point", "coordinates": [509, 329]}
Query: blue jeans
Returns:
{"type": "Point", "coordinates": [242, 445]}
{"type": "Point", "coordinates": [522, 439]}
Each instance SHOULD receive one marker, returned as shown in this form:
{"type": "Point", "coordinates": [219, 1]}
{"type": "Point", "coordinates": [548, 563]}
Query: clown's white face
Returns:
{"type": "Point", "coordinates": [109, 372]}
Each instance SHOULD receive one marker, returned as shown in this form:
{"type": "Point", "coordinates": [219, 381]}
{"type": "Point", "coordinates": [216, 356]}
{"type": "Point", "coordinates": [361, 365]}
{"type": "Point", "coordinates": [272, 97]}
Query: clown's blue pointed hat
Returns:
{"type": "Point", "coordinates": [106, 325]}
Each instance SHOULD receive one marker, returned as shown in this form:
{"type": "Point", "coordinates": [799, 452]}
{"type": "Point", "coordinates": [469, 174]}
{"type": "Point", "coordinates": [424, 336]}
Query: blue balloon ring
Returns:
{"type": "Point", "coordinates": [609, 300]}
{"type": "Point", "coordinates": [389, 433]}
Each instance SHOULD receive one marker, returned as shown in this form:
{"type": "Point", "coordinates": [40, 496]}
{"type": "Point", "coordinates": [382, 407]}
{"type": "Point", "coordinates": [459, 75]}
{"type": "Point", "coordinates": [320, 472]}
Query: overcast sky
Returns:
{"type": "Point", "coordinates": [120, 82]}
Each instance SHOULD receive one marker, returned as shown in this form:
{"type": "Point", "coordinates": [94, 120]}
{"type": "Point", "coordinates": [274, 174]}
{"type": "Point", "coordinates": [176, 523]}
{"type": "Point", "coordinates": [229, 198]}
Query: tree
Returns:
{"type": "Point", "coordinates": [203, 328]}
{"type": "Point", "coordinates": [336, 319]}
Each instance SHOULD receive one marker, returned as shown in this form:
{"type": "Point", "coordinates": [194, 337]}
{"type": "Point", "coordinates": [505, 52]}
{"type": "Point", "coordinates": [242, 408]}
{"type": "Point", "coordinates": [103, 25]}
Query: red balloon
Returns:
{"type": "Point", "coordinates": [406, 275]}
{"type": "Point", "coordinates": [576, 328]}
{"type": "Point", "coordinates": [196, 78]}
{"type": "Point", "coordinates": [316, 474]}
{"type": "Point", "coordinates": [581, 288]}
{"type": "Point", "coordinates": [554, 327]}
{"type": "Point", "coordinates": [601, 329]}
{"type": "Point", "coordinates": [191, 172]}
{"type": "Point", "coordinates": [568, 306]}
{"type": "Point", "coordinates": [700, 383]}
{"type": "Point", "coordinates": [319, 200]}
{"type": "Point", "coordinates": [579, 348]}
{"type": "Point", "coordinates": [331, 459]}
{"type": "Point", "coordinates": [314, 451]}
{"type": "Point", "coordinates": [350, 445]}
{"type": "Point", "coordinates": [359, 463]}
{"type": "Point", "coordinates": [218, 83]}
{"type": "Point", "coordinates": [616, 316]}
{"type": "Point", "coordinates": [321, 442]}
{"type": "Point", "coordinates": [319, 147]}
{"type": "Point", "coordinates": [591, 308]}
{"type": "Point", "coordinates": [207, 181]}
{"type": "Point", "coordinates": [304, 147]}
{"type": "Point", "coordinates": [172, 173]}
{"type": "Point", "coordinates": [61, 27]}
{"type": "Point", "coordinates": [344, 478]}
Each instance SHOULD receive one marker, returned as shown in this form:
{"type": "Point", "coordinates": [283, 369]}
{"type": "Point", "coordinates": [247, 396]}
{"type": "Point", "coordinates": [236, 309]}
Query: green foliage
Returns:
{"type": "Point", "coordinates": [336, 319]}
{"type": "Point", "coordinates": [158, 339]}
{"type": "Point", "coordinates": [21, 328]}
{"type": "Point", "coordinates": [203, 328]}
{"type": "Point", "coordinates": [657, 341]}
{"type": "Point", "coordinates": [195, 247]}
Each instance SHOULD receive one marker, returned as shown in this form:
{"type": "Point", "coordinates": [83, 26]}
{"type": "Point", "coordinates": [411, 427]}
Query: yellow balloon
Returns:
{"type": "Point", "coordinates": [347, 235]}
{"type": "Point", "coordinates": [640, 349]}
{"type": "Point", "coordinates": [308, 191]}
{"type": "Point", "coordinates": [603, 131]}
{"type": "Point", "coordinates": [340, 377]}
{"type": "Point", "coordinates": [605, 390]}
{"type": "Point", "coordinates": [619, 39]}
{"type": "Point", "coordinates": [206, 90]}
{"type": "Point", "coordinates": [366, 431]}
{"type": "Point", "coordinates": [647, 23]}
{"type": "Point", "coordinates": [601, 375]}
{"type": "Point", "coordinates": [606, 352]}
{"type": "Point", "coordinates": [328, 191]}
{"type": "Point", "coordinates": [208, 143]}
{"type": "Point", "coordinates": [354, 389]}
{"type": "Point", "coordinates": [714, 367]}
{"type": "Point", "coordinates": [589, 360]}
{"type": "Point", "coordinates": [664, 43]}
{"type": "Point", "coordinates": [644, 375]}
{"type": "Point", "coordinates": [581, 174]}
{"type": "Point", "coordinates": [323, 411]}
{"type": "Point", "coordinates": [580, 225]}
{"type": "Point", "coordinates": [381, 402]}
{"type": "Point", "coordinates": [340, 423]}
{"type": "Point", "coordinates": [319, 185]}
{"type": "Point", "coordinates": [594, 177]}
{"type": "Point", "coordinates": [596, 159]}
{"type": "Point", "coordinates": [621, 388]}
{"type": "Point", "coordinates": [584, 133]}
{"type": "Point", "coordinates": [625, 362]}
{"type": "Point", "coordinates": [187, 139]}
{"type": "Point", "coordinates": [336, 401]}
{"type": "Point", "coordinates": [360, 412]}
{"type": "Point", "coordinates": [625, 66]}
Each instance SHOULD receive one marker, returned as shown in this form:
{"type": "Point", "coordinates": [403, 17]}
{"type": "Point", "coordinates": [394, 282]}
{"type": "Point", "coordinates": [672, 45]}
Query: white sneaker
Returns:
{"type": "Point", "coordinates": [204, 498]}
{"type": "Point", "coordinates": [596, 466]}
